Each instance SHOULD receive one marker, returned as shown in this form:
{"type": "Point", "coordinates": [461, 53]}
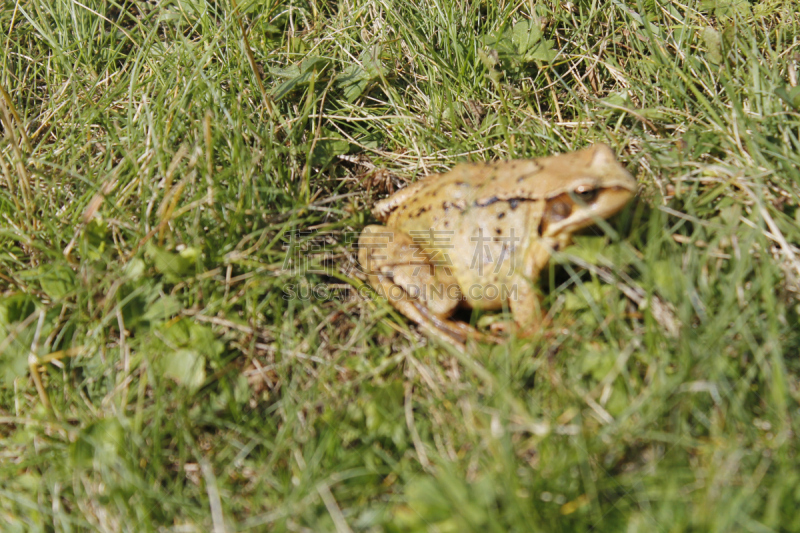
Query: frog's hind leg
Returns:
{"type": "Point", "coordinates": [424, 292]}
{"type": "Point", "coordinates": [445, 330]}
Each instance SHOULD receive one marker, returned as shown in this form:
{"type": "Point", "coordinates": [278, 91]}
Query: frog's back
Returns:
{"type": "Point", "coordinates": [462, 186]}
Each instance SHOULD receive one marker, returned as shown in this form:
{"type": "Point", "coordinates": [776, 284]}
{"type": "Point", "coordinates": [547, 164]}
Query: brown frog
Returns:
{"type": "Point", "coordinates": [479, 235]}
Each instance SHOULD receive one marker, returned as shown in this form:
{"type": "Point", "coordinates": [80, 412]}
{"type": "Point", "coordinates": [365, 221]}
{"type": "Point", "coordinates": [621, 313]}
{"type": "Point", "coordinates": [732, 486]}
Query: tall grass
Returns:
{"type": "Point", "coordinates": [184, 343]}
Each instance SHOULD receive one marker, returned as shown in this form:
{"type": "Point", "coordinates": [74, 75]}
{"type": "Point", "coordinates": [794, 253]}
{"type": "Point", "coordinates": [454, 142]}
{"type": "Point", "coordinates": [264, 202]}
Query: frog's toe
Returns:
{"type": "Point", "coordinates": [505, 327]}
{"type": "Point", "coordinates": [441, 327]}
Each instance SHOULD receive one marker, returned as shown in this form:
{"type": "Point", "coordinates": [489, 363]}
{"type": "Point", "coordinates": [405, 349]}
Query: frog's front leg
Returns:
{"type": "Point", "coordinates": [526, 302]}
{"type": "Point", "coordinates": [524, 299]}
{"type": "Point", "coordinates": [526, 308]}
{"type": "Point", "coordinates": [415, 285]}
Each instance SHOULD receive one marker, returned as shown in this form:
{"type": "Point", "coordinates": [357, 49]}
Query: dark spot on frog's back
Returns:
{"type": "Point", "coordinates": [447, 205]}
{"type": "Point", "coordinates": [501, 215]}
{"type": "Point", "coordinates": [486, 202]}
{"type": "Point", "coordinates": [513, 203]}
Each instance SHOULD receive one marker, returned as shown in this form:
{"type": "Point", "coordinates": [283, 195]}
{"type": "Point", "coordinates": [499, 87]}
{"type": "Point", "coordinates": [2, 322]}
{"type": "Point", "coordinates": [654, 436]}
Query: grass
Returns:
{"type": "Point", "coordinates": [177, 253]}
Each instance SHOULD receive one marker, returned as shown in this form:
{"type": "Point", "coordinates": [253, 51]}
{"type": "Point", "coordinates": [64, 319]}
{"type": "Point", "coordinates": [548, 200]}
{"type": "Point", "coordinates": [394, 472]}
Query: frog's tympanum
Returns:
{"type": "Point", "coordinates": [479, 235]}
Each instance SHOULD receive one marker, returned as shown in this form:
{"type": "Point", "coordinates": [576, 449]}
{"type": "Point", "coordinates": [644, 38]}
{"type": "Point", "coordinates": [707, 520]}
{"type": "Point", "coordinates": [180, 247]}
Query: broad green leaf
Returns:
{"type": "Point", "coordinates": [383, 411]}
{"type": "Point", "coordinates": [371, 58]}
{"type": "Point", "coordinates": [57, 280]}
{"type": "Point", "coordinates": [790, 95]}
{"type": "Point", "coordinates": [445, 503]}
{"type": "Point", "coordinates": [598, 361]}
{"type": "Point", "coordinates": [14, 359]}
{"type": "Point", "coordinates": [181, 351]}
{"type": "Point", "coordinates": [328, 148]}
{"type": "Point", "coordinates": [135, 268]}
{"type": "Point", "coordinates": [187, 367]}
{"type": "Point", "coordinates": [618, 98]}
{"type": "Point", "coordinates": [521, 45]}
{"type": "Point", "coordinates": [162, 309]}
{"type": "Point", "coordinates": [525, 35]}
{"type": "Point", "coordinates": [298, 75]}
{"type": "Point", "coordinates": [713, 42]}
{"type": "Point", "coordinates": [189, 334]}
{"type": "Point", "coordinates": [727, 8]}
{"type": "Point", "coordinates": [98, 444]}
{"type": "Point", "coordinates": [542, 52]}
{"type": "Point", "coordinates": [15, 308]}
{"type": "Point", "coordinates": [15, 342]}
{"type": "Point", "coordinates": [176, 266]}
{"type": "Point", "coordinates": [701, 142]}
{"type": "Point", "coordinates": [501, 42]}
{"type": "Point", "coordinates": [668, 279]}
{"type": "Point", "coordinates": [355, 78]}
{"type": "Point", "coordinates": [590, 249]}
{"type": "Point", "coordinates": [94, 239]}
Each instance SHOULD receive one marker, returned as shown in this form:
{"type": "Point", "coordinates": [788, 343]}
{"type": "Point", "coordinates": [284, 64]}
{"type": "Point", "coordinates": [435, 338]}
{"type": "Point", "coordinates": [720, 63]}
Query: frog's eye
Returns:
{"type": "Point", "coordinates": [586, 194]}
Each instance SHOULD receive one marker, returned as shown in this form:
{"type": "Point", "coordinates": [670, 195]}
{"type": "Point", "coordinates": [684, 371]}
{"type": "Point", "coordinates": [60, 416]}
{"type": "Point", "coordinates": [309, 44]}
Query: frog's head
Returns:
{"type": "Point", "coordinates": [596, 188]}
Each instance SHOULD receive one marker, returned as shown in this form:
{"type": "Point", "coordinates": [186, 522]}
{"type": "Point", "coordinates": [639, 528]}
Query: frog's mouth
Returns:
{"type": "Point", "coordinates": [569, 212]}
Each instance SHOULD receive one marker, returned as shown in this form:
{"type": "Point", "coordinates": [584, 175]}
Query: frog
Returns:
{"type": "Point", "coordinates": [478, 236]}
